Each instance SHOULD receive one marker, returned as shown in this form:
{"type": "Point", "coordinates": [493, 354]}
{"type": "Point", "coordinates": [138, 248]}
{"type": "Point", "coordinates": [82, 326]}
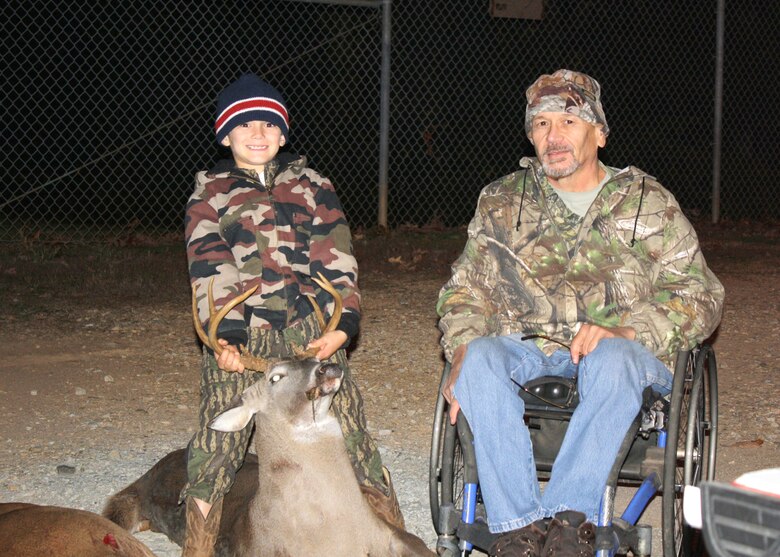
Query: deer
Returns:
{"type": "Point", "coordinates": [28, 530]}
{"type": "Point", "coordinates": [298, 494]}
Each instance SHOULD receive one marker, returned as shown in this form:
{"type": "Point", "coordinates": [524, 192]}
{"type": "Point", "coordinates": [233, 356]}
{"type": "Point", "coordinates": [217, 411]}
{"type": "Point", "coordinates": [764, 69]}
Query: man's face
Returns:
{"type": "Point", "coordinates": [254, 144]}
{"type": "Point", "coordinates": [565, 143]}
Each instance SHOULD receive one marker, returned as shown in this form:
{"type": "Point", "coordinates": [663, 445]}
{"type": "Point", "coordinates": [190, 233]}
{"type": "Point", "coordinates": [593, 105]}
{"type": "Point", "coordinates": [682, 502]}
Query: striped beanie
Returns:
{"type": "Point", "coordinates": [246, 99]}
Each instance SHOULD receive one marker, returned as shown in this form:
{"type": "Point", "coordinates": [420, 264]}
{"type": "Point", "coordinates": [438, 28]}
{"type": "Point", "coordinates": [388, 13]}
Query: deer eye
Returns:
{"type": "Point", "coordinates": [275, 378]}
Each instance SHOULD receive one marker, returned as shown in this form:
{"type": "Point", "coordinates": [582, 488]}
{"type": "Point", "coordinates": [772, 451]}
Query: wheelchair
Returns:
{"type": "Point", "coordinates": [671, 444]}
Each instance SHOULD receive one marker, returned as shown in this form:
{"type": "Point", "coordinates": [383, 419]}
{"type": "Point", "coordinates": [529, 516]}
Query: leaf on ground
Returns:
{"type": "Point", "coordinates": [749, 443]}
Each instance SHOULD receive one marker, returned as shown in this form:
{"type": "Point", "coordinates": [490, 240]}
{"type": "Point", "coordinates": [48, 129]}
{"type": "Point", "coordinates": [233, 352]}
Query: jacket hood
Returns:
{"type": "Point", "coordinates": [283, 159]}
{"type": "Point", "coordinates": [625, 176]}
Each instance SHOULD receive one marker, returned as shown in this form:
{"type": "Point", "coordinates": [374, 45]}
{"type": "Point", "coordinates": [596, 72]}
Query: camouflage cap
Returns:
{"type": "Point", "coordinates": [566, 91]}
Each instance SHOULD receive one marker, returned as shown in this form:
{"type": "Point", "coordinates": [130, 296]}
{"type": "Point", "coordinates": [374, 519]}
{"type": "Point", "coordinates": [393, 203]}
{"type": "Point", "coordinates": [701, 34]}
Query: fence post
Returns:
{"type": "Point", "coordinates": [384, 114]}
{"type": "Point", "coordinates": [718, 117]}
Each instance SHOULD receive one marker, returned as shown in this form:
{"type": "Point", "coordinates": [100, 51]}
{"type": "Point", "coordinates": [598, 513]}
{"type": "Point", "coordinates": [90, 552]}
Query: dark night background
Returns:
{"type": "Point", "coordinates": [107, 110]}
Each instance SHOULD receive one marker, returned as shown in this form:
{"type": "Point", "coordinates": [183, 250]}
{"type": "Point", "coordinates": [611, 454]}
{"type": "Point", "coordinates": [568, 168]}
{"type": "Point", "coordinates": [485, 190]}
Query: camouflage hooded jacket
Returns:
{"type": "Point", "coordinates": [242, 233]}
{"type": "Point", "coordinates": [530, 265]}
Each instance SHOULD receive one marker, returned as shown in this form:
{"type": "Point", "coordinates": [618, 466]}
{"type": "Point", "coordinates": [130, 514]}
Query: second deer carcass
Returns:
{"type": "Point", "coordinates": [28, 530]}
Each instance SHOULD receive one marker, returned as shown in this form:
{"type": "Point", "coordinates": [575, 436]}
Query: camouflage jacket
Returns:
{"type": "Point", "coordinates": [243, 234]}
{"type": "Point", "coordinates": [530, 265]}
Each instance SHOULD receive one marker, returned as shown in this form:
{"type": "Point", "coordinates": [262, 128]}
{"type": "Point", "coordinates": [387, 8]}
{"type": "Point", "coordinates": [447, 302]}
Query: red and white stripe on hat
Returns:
{"type": "Point", "coordinates": [263, 104]}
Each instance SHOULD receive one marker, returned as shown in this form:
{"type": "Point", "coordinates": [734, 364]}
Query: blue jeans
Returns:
{"type": "Point", "coordinates": [611, 380]}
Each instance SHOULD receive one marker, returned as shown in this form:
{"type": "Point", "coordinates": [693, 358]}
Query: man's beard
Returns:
{"type": "Point", "coordinates": [558, 172]}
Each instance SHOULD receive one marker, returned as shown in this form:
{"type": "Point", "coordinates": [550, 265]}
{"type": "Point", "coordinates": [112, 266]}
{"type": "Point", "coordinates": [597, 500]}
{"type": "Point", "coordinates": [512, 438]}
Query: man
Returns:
{"type": "Point", "coordinates": [577, 254]}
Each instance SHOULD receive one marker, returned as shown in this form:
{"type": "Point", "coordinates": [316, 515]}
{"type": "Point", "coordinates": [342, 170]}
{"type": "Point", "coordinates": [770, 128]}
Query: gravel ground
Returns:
{"type": "Point", "coordinates": [93, 392]}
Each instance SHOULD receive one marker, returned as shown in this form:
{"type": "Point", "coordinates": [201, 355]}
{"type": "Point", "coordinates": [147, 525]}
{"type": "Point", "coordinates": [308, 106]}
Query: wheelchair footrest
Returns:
{"type": "Point", "coordinates": [477, 533]}
{"type": "Point", "coordinates": [621, 537]}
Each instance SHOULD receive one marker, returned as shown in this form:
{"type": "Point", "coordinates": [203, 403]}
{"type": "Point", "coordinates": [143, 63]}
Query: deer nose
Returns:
{"type": "Point", "coordinates": [331, 371]}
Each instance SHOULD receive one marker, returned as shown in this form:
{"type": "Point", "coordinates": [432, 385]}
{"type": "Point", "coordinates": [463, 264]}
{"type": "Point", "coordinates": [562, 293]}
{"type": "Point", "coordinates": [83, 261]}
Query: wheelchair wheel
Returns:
{"type": "Point", "coordinates": [445, 472]}
{"type": "Point", "coordinates": [691, 444]}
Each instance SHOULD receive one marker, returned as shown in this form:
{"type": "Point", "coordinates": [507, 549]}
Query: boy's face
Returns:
{"type": "Point", "coordinates": [254, 144]}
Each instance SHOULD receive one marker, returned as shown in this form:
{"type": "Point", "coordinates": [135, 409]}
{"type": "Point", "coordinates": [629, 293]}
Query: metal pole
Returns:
{"type": "Point", "coordinates": [718, 119]}
{"type": "Point", "coordinates": [384, 114]}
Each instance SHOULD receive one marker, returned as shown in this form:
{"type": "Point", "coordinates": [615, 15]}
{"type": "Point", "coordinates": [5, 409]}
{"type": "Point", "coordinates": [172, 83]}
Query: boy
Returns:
{"type": "Point", "coordinates": [264, 218]}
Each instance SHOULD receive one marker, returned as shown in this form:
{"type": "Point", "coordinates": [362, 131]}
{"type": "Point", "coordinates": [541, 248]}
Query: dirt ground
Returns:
{"type": "Point", "coordinates": [100, 360]}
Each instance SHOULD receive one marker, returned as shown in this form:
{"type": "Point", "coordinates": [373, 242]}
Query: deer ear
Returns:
{"type": "Point", "coordinates": [234, 419]}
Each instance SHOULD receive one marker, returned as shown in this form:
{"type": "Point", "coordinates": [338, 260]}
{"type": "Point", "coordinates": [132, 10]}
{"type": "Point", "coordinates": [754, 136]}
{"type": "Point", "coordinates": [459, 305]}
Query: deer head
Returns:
{"type": "Point", "coordinates": [248, 360]}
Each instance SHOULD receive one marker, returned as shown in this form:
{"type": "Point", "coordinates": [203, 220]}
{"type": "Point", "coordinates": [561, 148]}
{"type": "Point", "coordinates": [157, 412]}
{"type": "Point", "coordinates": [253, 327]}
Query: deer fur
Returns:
{"type": "Point", "coordinates": [28, 530]}
{"type": "Point", "coordinates": [298, 497]}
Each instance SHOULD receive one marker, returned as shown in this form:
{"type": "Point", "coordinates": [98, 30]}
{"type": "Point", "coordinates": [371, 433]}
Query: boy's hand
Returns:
{"type": "Point", "coordinates": [230, 359]}
{"type": "Point", "coordinates": [328, 343]}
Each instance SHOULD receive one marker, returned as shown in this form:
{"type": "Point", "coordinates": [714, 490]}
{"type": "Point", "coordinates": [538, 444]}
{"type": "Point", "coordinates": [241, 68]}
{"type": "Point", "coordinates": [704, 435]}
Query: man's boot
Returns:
{"type": "Point", "coordinates": [384, 506]}
{"type": "Point", "coordinates": [527, 541]}
{"type": "Point", "coordinates": [200, 536]}
{"type": "Point", "coordinates": [570, 535]}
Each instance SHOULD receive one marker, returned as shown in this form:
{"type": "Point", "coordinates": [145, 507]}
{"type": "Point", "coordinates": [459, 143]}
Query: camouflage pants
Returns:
{"type": "Point", "coordinates": [213, 457]}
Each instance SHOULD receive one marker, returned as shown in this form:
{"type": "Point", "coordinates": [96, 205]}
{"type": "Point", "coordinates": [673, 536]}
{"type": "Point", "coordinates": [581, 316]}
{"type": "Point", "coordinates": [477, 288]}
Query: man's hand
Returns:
{"type": "Point", "coordinates": [448, 389]}
{"type": "Point", "coordinates": [230, 359]}
{"type": "Point", "coordinates": [328, 344]}
{"type": "Point", "coordinates": [586, 339]}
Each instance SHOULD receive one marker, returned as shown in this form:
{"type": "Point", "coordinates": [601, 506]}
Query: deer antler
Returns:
{"type": "Point", "coordinates": [215, 317]}
{"type": "Point", "coordinates": [328, 287]}
{"type": "Point", "coordinates": [248, 360]}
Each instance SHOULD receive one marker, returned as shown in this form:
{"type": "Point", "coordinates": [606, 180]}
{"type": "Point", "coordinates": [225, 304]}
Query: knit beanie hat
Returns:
{"type": "Point", "coordinates": [566, 91]}
{"type": "Point", "coordinates": [246, 99]}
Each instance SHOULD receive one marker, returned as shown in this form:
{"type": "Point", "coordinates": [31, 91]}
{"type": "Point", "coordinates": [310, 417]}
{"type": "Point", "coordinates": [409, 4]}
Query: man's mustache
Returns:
{"type": "Point", "coordinates": [558, 148]}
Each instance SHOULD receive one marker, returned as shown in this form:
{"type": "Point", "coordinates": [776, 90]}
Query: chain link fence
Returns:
{"type": "Point", "coordinates": [107, 108]}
